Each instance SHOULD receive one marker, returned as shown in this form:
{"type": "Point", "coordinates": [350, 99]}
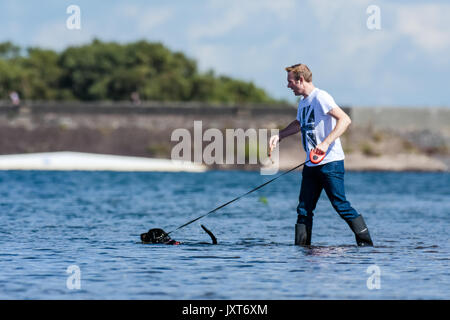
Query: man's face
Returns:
{"type": "Point", "coordinates": [295, 85]}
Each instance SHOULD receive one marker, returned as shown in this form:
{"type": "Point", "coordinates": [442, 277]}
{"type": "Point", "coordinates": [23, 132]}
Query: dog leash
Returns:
{"type": "Point", "coordinates": [237, 198]}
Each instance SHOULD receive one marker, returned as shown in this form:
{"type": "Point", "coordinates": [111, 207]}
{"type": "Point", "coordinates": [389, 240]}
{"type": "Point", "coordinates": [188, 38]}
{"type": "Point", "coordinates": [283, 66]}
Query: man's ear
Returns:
{"type": "Point", "coordinates": [301, 80]}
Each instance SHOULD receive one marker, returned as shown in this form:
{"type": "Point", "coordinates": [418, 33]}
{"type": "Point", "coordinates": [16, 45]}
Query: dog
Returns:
{"type": "Point", "coordinates": [159, 236]}
{"type": "Point", "coordinates": [156, 235]}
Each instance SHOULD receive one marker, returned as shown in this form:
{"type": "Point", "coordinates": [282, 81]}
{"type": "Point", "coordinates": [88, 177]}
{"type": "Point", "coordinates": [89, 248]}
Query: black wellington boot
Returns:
{"type": "Point", "coordinates": [303, 230]}
{"type": "Point", "coordinates": [301, 236]}
{"type": "Point", "coordinates": [361, 231]}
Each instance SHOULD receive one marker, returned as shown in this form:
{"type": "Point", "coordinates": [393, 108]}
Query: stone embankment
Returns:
{"type": "Point", "coordinates": [394, 139]}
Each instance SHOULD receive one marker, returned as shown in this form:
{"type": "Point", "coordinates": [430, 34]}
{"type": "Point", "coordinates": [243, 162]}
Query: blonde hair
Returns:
{"type": "Point", "coordinates": [300, 70]}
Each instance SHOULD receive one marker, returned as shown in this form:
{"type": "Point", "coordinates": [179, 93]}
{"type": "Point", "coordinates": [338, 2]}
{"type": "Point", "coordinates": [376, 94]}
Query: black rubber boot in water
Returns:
{"type": "Point", "coordinates": [302, 235]}
{"type": "Point", "coordinates": [303, 230]}
{"type": "Point", "coordinates": [361, 231]}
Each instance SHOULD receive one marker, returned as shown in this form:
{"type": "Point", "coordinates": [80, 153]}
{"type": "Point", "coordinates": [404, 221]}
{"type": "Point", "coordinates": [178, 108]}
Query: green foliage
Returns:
{"type": "Point", "coordinates": [9, 50]}
{"type": "Point", "coordinates": [159, 150]}
{"type": "Point", "coordinates": [11, 75]}
{"type": "Point", "coordinates": [42, 74]}
{"type": "Point", "coordinates": [112, 71]}
{"type": "Point", "coordinates": [368, 150]}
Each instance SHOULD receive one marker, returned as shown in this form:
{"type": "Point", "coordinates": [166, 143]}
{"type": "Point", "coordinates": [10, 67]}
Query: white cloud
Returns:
{"type": "Point", "coordinates": [363, 54]}
{"type": "Point", "coordinates": [336, 14]}
{"type": "Point", "coordinates": [225, 58]}
{"type": "Point", "coordinates": [427, 25]}
{"type": "Point", "coordinates": [239, 54]}
{"type": "Point", "coordinates": [282, 9]}
{"type": "Point", "coordinates": [55, 35]}
{"type": "Point", "coordinates": [146, 18]}
{"type": "Point", "coordinates": [114, 25]}
{"type": "Point", "coordinates": [226, 16]}
{"type": "Point", "coordinates": [217, 26]}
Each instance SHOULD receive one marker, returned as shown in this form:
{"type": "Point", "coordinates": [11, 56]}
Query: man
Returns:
{"type": "Point", "coordinates": [321, 122]}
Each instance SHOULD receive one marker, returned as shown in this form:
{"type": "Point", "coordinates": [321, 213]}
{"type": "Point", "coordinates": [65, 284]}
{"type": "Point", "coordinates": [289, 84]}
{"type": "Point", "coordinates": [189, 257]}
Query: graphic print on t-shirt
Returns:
{"type": "Point", "coordinates": [307, 120]}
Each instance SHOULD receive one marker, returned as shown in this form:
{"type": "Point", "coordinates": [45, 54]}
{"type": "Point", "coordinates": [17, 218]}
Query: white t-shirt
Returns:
{"type": "Point", "coordinates": [316, 124]}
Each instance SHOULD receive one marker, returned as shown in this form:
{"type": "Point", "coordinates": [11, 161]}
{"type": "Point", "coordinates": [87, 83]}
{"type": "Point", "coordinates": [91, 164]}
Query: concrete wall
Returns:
{"type": "Point", "coordinates": [403, 119]}
{"type": "Point", "coordinates": [148, 108]}
{"type": "Point", "coordinates": [433, 119]}
{"type": "Point", "coordinates": [145, 130]}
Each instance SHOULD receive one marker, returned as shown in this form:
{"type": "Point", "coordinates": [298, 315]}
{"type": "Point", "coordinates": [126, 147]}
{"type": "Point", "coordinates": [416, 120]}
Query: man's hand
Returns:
{"type": "Point", "coordinates": [322, 148]}
{"type": "Point", "coordinates": [273, 143]}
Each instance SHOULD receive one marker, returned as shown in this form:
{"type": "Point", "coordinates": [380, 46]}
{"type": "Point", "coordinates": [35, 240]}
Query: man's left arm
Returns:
{"type": "Point", "coordinates": [342, 123]}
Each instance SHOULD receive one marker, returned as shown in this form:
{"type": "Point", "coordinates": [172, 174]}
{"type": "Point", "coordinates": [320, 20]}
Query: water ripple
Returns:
{"type": "Point", "coordinates": [51, 221]}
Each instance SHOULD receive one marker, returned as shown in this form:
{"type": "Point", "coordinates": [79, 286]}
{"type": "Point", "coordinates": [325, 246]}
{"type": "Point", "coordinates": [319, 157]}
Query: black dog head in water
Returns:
{"type": "Point", "coordinates": [157, 236]}
{"type": "Point", "coordinates": [160, 236]}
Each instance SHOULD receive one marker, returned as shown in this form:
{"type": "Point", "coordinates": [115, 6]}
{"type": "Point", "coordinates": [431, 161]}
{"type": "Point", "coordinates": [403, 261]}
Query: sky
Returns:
{"type": "Point", "coordinates": [397, 55]}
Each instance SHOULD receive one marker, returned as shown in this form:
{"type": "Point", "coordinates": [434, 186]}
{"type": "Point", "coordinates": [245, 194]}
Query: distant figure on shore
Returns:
{"type": "Point", "coordinates": [135, 98]}
{"type": "Point", "coordinates": [15, 99]}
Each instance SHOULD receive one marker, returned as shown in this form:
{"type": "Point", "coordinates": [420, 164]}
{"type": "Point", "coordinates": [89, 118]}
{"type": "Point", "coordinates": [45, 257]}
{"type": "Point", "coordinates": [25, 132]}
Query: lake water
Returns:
{"type": "Point", "coordinates": [50, 221]}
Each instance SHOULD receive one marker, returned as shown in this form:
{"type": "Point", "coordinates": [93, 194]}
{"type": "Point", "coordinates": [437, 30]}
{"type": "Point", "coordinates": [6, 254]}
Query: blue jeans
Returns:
{"type": "Point", "coordinates": [330, 177]}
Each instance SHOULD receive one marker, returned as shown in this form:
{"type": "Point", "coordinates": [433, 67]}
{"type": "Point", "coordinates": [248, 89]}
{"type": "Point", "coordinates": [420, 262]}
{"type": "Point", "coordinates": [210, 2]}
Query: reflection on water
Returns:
{"type": "Point", "coordinates": [327, 251]}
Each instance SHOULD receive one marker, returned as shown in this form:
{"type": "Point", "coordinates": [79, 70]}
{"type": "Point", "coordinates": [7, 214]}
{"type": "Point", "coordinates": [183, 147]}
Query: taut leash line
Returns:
{"type": "Point", "coordinates": [241, 196]}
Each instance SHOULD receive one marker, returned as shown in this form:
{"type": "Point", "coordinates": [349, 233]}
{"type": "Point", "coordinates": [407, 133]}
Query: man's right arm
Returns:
{"type": "Point", "coordinates": [292, 128]}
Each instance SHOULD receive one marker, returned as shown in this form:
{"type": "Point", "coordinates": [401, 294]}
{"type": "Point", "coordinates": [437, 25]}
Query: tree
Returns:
{"type": "Point", "coordinates": [112, 71]}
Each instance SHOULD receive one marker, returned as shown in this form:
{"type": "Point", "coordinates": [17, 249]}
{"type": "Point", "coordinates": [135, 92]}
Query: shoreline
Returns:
{"type": "Point", "coordinates": [76, 161]}
{"type": "Point", "coordinates": [361, 163]}
{"type": "Point", "coordinates": [395, 163]}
